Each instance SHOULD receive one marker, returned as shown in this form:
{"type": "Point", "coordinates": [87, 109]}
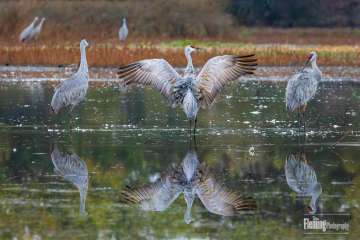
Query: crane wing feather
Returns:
{"type": "Point", "coordinates": [155, 72]}
{"type": "Point", "coordinates": [220, 200]}
{"type": "Point", "coordinates": [220, 70]}
{"type": "Point", "coordinates": [153, 197]}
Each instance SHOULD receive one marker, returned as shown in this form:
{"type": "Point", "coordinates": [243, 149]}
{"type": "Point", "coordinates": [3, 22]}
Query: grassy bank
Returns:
{"type": "Point", "coordinates": [112, 54]}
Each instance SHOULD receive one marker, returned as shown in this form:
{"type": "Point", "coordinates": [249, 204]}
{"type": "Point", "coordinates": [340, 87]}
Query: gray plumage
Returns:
{"type": "Point", "coordinates": [301, 178]}
{"type": "Point", "coordinates": [192, 179]}
{"type": "Point", "coordinates": [72, 91]}
{"type": "Point", "coordinates": [189, 91]}
{"type": "Point", "coordinates": [27, 35]}
{"type": "Point", "coordinates": [123, 31]}
{"type": "Point", "coordinates": [73, 170]}
{"type": "Point", "coordinates": [302, 86]}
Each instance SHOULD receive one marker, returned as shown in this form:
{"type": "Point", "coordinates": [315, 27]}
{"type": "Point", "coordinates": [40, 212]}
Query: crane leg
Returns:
{"type": "Point", "coordinates": [304, 120]}
{"type": "Point", "coordinates": [195, 125]}
{"type": "Point", "coordinates": [299, 122]}
{"type": "Point", "coordinates": [71, 115]}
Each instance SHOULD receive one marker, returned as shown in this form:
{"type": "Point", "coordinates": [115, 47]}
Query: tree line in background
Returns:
{"type": "Point", "coordinates": [174, 18]}
{"type": "Point", "coordinates": [296, 13]}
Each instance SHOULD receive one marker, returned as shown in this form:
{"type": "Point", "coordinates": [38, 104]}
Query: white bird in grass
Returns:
{"type": "Point", "coordinates": [72, 91]}
{"type": "Point", "coordinates": [74, 170]}
{"type": "Point", "coordinates": [190, 90]}
{"type": "Point", "coordinates": [192, 179]}
{"type": "Point", "coordinates": [302, 179]}
{"type": "Point", "coordinates": [27, 35]}
{"type": "Point", "coordinates": [123, 31]}
{"type": "Point", "coordinates": [302, 86]}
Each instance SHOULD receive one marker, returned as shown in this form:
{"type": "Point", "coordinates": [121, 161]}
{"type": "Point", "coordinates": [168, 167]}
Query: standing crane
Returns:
{"type": "Point", "coordinates": [72, 91]}
{"type": "Point", "coordinates": [301, 88]}
{"type": "Point", "coordinates": [190, 91]}
{"type": "Point", "coordinates": [27, 35]}
{"type": "Point", "coordinates": [123, 31]}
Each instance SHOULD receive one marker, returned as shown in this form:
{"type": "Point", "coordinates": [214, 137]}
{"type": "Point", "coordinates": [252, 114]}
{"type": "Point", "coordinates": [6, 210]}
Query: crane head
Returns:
{"type": "Point", "coordinates": [312, 56]}
{"type": "Point", "coordinates": [190, 48]}
{"type": "Point", "coordinates": [84, 43]}
{"type": "Point", "coordinates": [35, 20]}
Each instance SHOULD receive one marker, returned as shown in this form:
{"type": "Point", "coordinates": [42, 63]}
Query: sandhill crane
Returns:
{"type": "Point", "coordinates": [73, 170]}
{"type": "Point", "coordinates": [301, 88]}
{"type": "Point", "coordinates": [72, 91]}
{"type": "Point", "coordinates": [123, 31]}
{"type": "Point", "coordinates": [38, 28]}
{"type": "Point", "coordinates": [301, 178]}
{"type": "Point", "coordinates": [27, 35]}
{"type": "Point", "coordinates": [192, 179]}
{"type": "Point", "coordinates": [189, 91]}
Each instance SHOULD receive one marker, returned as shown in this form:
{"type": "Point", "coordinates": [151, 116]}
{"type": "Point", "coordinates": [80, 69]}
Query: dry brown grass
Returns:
{"type": "Point", "coordinates": [111, 54]}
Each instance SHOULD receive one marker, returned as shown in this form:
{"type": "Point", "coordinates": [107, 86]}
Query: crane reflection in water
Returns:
{"type": "Point", "coordinates": [301, 178]}
{"type": "Point", "coordinates": [193, 179]}
{"type": "Point", "coordinates": [74, 170]}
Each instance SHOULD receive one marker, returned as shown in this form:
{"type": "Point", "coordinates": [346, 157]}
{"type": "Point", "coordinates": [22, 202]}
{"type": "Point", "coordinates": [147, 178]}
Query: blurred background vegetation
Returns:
{"type": "Point", "coordinates": [170, 18]}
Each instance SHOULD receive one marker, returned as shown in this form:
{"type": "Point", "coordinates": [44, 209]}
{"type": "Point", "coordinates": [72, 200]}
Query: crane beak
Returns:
{"type": "Point", "coordinates": [306, 63]}
{"type": "Point", "coordinates": [195, 48]}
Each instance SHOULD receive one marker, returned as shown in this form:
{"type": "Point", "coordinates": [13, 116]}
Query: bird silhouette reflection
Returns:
{"type": "Point", "coordinates": [73, 170]}
{"type": "Point", "coordinates": [301, 178]}
{"type": "Point", "coordinates": [192, 179]}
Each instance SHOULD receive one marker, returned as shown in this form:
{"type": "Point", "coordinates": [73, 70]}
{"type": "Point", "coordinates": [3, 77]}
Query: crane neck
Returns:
{"type": "Point", "coordinates": [83, 193]}
{"type": "Point", "coordinates": [314, 197]}
{"type": "Point", "coordinates": [41, 24]}
{"type": "Point", "coordinates": [314, 65]}
{"type": "Point", "coordinates": [316, 69]}
{"type": "Point", "coordinates": [83, 62]}
{"type": "Point", "coordinates": [33, 22]}
{"type": "Point", "coordinates": [189, 67]}
{"type": "Point", "coordinates": [189, 199]}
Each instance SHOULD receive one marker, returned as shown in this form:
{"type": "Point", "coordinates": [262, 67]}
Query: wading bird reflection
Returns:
{"type": "Point", "coordinates": [192, 179]}
{"type": "Point", "coordinates": [301, 88]}
{"type": "Point", "coordinates": [72, 91]}
{"type": "Point", "coordinates": [73, 170]}
{"type": "Point", "coordinates": [190, 91]}
{"type": "Point", "coordinates": [301, 178]}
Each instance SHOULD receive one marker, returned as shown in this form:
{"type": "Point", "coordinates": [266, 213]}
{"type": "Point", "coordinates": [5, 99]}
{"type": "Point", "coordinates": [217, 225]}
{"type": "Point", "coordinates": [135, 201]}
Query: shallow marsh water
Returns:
{"type": "Point", "coordinates": [133, 137]}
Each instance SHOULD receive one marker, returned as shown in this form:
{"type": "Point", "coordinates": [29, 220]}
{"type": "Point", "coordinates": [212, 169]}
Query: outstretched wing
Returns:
{"type": "Point", "coordinates": [156, 72]}
{"type": "Point", "coordinates": [220, 70]}
{"type": "Point", "coordinates": [220, 200]}
{"type": "Point", "coordinates": [154, 197]}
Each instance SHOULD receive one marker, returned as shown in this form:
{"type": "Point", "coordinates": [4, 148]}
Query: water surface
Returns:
{"type": "Point", "coordinates": [62, 179]}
